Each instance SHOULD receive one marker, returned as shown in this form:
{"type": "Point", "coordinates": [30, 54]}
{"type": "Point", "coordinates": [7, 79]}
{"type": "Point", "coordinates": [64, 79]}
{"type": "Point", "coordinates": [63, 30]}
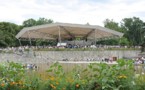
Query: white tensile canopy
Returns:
{"type": "Point", "coordinates": [65, 31]}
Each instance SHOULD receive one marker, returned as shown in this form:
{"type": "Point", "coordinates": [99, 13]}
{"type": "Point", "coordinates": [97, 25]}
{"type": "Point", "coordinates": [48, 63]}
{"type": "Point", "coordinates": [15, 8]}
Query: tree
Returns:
{"type": "Point", "coordinates": [41, 21]}
{"type": "Point", "coordinates": [2, 39]}
{"type": "Point", "coordinates": [112, 25]}
{"type": "Point", "coordinates": [123, 41]}
{"type": "Point", "coordinates": [32, 22]}
{"type": "Point", "coordinates": [133, 30]}
{"type": "Point", "coordinates": [9, 30]}
{"type": "Point", "coordinates": [108, 42]}
{"type": "Point", "coordinates": [7, 34]}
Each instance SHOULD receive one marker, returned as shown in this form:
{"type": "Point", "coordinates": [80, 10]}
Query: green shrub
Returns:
{"type": "Point", "coordinates": [97, 76]}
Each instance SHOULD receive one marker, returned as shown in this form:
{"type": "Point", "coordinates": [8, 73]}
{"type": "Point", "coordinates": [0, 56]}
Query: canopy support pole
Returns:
{"type": "Point", "coordinates": [20, 42]}
{"type": "Point", "coordinates": [29, 38]}
{"type": "Point", "coordinates": [95, 37]}
{"type": "Point", "coordinates": [59, 38]}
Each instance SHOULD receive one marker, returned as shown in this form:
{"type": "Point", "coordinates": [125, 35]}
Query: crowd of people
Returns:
{"type": "Point", "coordinates": [139, 60]}
{"type": "Point", "coordinates": [31, 66]}
{"type": "Point", "coordinates": [139, 64]}
{"type": "Point", "coordinates": [22, 48]}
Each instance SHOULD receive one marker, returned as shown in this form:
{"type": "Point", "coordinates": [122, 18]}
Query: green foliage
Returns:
{"type": "Point", "coordinates": [7, 34]}
{"type": "Point", "coordinates": [14, 76]}
{"type": "Point", "coordinates": [111, 24]}
{"type": "Point", "coordinates": [108, 42]}
{"type": "Point", "coordinates": [11, 76]}
{"type": "Point", "coordinates": [97, 76]}
{"type": "Point", "coordinates": [59, 80]}
{"type": "Point", "coordinates": [133, 27]}
{"type": "Point", "coordinates": [32, 22]}
{"type": "Point", "coordinates": [57, 70]}
{"type": "Point", "coordinates": [123, 41]}
{"type": "Point", "coordinates": [9, 30]}
{"type": "Point", "coordinates": [40, 42]}
{"type": "Point", "coordinates": [103, 76]}
{"type": "Point", "coordinates": [41, 21]}
{"type": "Point", "coordinates": [32, 81]}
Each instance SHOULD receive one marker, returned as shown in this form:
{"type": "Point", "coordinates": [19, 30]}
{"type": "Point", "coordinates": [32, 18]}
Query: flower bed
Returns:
{"type": "Point", "coordinates": [97, 76]}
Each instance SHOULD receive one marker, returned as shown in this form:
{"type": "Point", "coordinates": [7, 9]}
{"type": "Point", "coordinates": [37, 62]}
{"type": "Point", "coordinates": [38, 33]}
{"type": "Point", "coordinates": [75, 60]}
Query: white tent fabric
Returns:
{"type": "Point", "coordinates": [65, 31]}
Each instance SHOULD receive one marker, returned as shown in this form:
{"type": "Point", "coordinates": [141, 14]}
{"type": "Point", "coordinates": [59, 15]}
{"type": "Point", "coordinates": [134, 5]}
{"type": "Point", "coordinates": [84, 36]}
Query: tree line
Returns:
{"type": "Point", "coordinates": [9, 30]}
{"type": "Point", "coordinates": [133, 29]}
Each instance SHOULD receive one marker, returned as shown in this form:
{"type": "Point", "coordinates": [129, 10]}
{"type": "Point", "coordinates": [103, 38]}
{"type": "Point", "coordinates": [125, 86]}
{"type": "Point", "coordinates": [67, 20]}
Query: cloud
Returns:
{"type": "Point", "coordinates": [71, 11]}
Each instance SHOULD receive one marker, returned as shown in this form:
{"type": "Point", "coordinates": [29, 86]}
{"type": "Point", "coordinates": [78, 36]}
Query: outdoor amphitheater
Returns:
{"type": "Point", "coordinates": [75, 63]}
{"type": "Point", "coordinates": [78, 39]}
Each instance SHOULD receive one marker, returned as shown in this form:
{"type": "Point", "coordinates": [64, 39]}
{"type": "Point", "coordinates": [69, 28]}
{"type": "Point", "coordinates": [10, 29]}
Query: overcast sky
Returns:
{"type": "Point", "coordinates": [71, 11]}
